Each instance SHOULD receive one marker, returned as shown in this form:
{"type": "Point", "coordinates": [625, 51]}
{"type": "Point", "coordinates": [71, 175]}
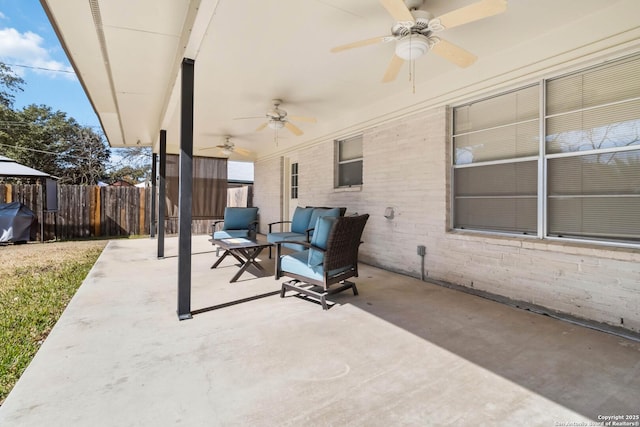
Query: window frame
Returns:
{"type": "Point", "coordinates": [513, 160]}
{"type": "Point", "coordinates": [295, 177]}
{"type": "Point", "coordinates": [338, 162]}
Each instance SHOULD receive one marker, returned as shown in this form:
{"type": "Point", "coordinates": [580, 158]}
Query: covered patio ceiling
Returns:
{"type": "Point", "coordinates": [247, 52]}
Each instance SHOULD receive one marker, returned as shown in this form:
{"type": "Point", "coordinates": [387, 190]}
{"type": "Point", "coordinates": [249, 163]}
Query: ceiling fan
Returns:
{"type": "Point", "coordinates": [277, 118]}
{"type": "Point", "coordinates": [228, 147]}
{"type": "Point", "coordinates": [414, 32]}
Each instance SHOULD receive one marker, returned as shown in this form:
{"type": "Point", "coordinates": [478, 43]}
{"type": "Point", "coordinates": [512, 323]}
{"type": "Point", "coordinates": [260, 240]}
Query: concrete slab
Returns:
{"type": "Point", "coordinates": [403, 352]}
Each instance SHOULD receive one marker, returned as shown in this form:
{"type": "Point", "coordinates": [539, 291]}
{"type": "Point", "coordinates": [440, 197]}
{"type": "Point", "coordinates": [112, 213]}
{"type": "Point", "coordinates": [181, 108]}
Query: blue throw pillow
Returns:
{"type": "Point", "coordinates": [300, 220]}
{"type": "Point", "coordinates": [320, 236]}
{"type": "Point", "coordinates": [239, 218]}
{"type": "Point", "coordinates": [320, 212]}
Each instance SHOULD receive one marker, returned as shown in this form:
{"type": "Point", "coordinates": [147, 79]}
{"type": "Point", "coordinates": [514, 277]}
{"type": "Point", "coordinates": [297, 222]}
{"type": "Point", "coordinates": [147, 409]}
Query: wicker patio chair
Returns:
{"type": "Point", "coordinates": [330, 258]}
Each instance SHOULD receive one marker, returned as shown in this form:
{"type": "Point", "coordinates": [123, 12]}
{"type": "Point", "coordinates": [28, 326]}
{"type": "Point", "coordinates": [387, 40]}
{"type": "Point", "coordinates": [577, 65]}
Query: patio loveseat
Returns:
{"type": "Point", "coordinates": [302, 225]}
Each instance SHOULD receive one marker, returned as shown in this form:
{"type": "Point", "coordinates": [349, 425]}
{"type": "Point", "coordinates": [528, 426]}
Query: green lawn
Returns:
{"type": "Point", "coordinates": [34, 291]}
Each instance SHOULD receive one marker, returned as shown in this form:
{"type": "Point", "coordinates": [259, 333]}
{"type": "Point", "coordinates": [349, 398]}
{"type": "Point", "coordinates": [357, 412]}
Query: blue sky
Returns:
{"type": "Point", "coordinates": [28, 44]}
{"type": "Point", "coordinates": [27, 40]}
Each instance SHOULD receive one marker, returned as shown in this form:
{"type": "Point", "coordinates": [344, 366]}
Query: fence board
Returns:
{"type": "Point", "coordinates": [85, 211]}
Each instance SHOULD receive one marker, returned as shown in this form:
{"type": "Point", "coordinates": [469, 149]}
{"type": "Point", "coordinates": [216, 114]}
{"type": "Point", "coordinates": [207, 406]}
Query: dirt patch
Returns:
{"type": "Point", "coordinates": [39, 255]}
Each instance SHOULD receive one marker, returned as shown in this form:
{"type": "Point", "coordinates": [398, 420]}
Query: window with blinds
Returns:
{"type": "Point", "coordinates": [349, 162]}
{"type": "Point", "coordinates": [585, 151]}
{"type": "Point", "coordinates": [593, 153]}
{"type": "Point", "coordinates": [496, 151]}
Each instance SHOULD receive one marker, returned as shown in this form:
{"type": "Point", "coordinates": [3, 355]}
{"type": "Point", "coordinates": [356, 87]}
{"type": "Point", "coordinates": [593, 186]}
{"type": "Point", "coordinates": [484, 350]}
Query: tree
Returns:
{"type": "Point", "coordinates": [9, 82]}
{"type": "Point", "coordinates": [133, 165]}
{"type": "Point", "coordinates": [129, 174]}
{"type": "Point", "coordinates": [48, 140]}
{"type": "Point", "coordinates": [85, 157]}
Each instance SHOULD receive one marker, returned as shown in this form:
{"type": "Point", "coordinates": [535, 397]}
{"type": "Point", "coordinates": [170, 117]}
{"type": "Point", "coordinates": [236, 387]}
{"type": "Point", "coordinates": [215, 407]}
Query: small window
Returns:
{"type": "Point", "coordinates": [349, 162]}
{"type": "Point", "coordinates": [294, 180]}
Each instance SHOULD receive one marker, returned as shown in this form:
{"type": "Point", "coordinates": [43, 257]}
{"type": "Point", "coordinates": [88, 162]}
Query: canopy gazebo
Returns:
{"type": "Point", "coordinates": [9, 168]}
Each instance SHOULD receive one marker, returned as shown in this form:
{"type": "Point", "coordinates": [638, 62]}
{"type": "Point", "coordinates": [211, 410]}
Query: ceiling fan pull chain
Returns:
{"type": "Point", "coordinates": [411, 69]}
{"type": "Point", "coordinates": [413, 80]}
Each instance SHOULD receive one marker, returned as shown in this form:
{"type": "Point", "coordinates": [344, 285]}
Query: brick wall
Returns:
{"type": "Point", "coordinates": [267, 194]}
{"type": "Point", "coordinates": [406, 167]}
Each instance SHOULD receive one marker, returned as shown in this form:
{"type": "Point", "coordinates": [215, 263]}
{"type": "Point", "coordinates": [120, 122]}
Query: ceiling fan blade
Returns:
{"type": "Point", "coordinates": [262, 126]}
{"type": "Point", "coordinates": [398, 10]}
{"type": "Point", "coordinates": [393, 69]}
{"type": "Point", "coordinates": [367, 42]}
{"type": "Point", "coordinates": [242, 151]}
{"type": "Point", "coordinates": [293, 128]}
{"type": "Point", "coordinates": [303, 119]}
{"type": "Point", "coordinates": [251, 117]}
{"type": "Point", "coordinates": [473, 12]}
{"type": "Point", "coordinates": [453, 53]}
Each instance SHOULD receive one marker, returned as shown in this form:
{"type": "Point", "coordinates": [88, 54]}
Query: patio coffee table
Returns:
{"type": "Point", "coordinates": [245, 250]}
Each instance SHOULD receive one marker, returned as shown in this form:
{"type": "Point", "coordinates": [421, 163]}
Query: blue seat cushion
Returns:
{"type": "Point", "coordinates": [319, 212]}
{"type": "Point", "coordinates": [320, 236]}
{"type": "Point", "coordinates": [239, 218]}
{"type": "Point", "coordinates": [286, 235]}
{"type": "Point", "coordinates": [300, 220]}
{"type": "Point", "coordinates": [228, 234]}
{"type": "Point", "coordinates": [297, 263]}
{"type": "Point", "coordinates": [294, 246]}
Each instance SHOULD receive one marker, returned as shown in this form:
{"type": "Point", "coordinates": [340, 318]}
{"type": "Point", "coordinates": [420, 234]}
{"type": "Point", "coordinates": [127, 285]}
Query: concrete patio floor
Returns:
{"type": "Point", "coordinates": [403, 352]}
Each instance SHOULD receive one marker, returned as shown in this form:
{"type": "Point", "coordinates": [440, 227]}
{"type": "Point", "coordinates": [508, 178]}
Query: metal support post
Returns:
{"type": "Point", "coordinates": [186, 190]}
{"type": "Point", "coordinates": [152, 222]}
{"type": "Point", "coordinates": [162, 201]}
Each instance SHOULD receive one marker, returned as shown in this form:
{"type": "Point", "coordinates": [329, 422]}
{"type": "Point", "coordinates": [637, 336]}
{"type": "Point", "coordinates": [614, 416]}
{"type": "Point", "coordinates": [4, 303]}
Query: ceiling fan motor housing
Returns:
{"type": "Point", "coordinates": [276, 114]}
{"type": "Point", "coordinates": [413, 4]}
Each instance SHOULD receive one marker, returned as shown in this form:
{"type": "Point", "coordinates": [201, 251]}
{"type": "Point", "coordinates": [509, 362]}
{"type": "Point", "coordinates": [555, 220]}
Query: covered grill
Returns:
{"type": "Point", "coordinates": [15, 222]}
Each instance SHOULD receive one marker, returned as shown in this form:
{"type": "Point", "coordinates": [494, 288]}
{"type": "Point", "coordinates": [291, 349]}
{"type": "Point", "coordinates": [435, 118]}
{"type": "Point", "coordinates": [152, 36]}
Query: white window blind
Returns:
{"type": "Point", "coordinates": [496, 147]}
{"type": "Point", "coordinates": [593, 152]}
{"type": "Point", "coordinates": [349, 162]}
{"type": "Point", "coordinates": [501, 197]}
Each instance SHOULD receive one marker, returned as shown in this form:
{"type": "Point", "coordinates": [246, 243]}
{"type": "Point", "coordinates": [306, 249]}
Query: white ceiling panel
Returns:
{"type": "Point", "coordinates": [158, 16]}
{"type": "Point", "coordinates": [248, 52]}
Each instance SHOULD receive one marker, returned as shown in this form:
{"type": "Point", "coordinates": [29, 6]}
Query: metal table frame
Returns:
{"type": "Point", "coordinates": [244, 250]}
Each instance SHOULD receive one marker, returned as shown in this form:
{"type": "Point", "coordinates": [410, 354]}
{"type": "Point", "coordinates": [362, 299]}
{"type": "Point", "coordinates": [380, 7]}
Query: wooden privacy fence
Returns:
{"type": "Point", "coordinates": [93, 211]}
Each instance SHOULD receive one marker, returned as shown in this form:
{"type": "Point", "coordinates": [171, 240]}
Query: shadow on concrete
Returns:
{"type": "Point", "coordinates": [232, 303]}
{"type": "Point", "coordinates": [590, 372]}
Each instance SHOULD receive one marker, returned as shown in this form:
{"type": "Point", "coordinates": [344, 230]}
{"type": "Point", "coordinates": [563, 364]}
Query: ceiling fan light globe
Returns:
{"type": "Point", "coordinates": [276, 124]}
{"type": "Point", "coordinates": [412, 47]}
